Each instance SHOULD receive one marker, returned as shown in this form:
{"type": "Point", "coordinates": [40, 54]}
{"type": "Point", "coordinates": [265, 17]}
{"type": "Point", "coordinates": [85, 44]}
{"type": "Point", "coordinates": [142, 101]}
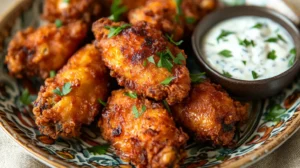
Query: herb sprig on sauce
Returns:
{"type": "Point", "coordinates": [224, 33]}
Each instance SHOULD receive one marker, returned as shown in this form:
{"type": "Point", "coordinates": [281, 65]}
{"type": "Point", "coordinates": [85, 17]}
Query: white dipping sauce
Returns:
{"type": "Point", "coordinates": [250, 48]}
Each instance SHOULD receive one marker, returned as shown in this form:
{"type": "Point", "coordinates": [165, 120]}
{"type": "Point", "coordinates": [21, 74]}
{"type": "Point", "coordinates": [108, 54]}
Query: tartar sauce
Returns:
{"type": "Point", "coordinates": [249, 48]}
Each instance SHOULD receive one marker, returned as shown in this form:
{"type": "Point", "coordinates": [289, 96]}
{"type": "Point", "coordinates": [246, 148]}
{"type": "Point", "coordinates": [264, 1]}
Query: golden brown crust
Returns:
{"type": "Point", "coordinates": [150, 140]}
{"type": "Point", "coordinates": [35, 52]}
{"type": "Point", "coordinates": [209, 114]}
{"type": "Point", "coordinates": [163, 15]}
{"type": "Point", "coordinates": [126, 53]}
{"type": "Point", "coordinates": [63, 115]}
{"type": "Point", "coordinates": [86, 10]}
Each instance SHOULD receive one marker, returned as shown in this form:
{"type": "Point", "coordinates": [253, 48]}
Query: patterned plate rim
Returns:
{"type": "Point", "coordinates": [244, 161]}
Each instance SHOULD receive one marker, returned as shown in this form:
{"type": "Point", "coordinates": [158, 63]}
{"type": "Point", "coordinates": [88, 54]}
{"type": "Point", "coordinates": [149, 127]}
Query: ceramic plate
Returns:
{"type": "Point", "coordinates": [270, 123]}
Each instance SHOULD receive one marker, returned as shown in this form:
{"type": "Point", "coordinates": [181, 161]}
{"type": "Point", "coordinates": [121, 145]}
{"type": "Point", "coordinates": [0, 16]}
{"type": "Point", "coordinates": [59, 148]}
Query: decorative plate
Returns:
{"type": "Point", "coordinates": [271, 121]}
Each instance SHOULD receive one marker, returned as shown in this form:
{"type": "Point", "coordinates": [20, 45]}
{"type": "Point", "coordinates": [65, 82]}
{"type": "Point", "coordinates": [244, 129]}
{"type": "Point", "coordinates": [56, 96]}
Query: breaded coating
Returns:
{"type": "Point", "coordinates": [147, 138]}
{"type": "Point", "coordinates": [72, 10]}
{"type": "Point", "coordinates": [64, 115]}
{"type": "Point", "coordinates": [134, 57]}
{"type": "Point", "coordinates": [171, 16]}
{"type": "Point", "coordinates": [35, 52]}
{"type": "Point", "coordinates": [209, 114]}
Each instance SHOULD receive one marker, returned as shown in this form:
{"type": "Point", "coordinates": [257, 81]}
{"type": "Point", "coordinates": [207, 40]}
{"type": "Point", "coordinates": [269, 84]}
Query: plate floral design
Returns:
{"type": "Point", "coordinates": [270, 123]}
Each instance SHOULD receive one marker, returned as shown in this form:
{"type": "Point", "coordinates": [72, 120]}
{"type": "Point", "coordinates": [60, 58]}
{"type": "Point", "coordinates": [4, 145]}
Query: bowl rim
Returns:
{"type": "Point", "coordinates": [197, 38]}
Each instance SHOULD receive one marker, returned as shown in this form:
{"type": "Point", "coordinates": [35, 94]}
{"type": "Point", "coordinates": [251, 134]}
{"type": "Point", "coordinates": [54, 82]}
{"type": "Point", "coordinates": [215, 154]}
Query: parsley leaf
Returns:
{"type": "Point", "coordinates": [131, 94]}
{"type": "Point", "coordinates": [275, 112]}
{"type": "Point", "coordinates": [197, 78]}
{"type": "Point", "coordinates": [178, 9]}
{"type": "Point", "coordinates": [100, 150]}
{"type": "Point", "coordinates": [167, 106]}
{"type": "Point", "coordinates": [225, 53]}
{"type": "Point", "coordinates": [223, 34]}
{"type": "Point", "coordinates": [136, 112]}
{"type": "Point", "coordinates": [272, 40]}
{"type": "Point", "coordinates": [26, 98]}
{"type": "Point", "coordinates": [257, 26]}
{"type": "Point", "coordinates": [164, 60]}
{"type": "Point", "coordinates": [172, 41]}
{"type": "Point", "coordinates": [52, 74]}
{"type": "Point", "coordinates": [190, 20]}
{"type": "Point", "coordinates": [272, 55]}
{"type": "Point", "coordinates": [179, 58]}
{"type": "Point", "coordinates": [167, 81]}
{"type": "Point", "coordinates": [117, 10]}
{"type": "Point", "coordinates": [292, 57]}
{"type": "Point", "coordinates": [227, 74]}
{"type": "Point", "coordinates": [145, 63]}
{"type": "Point", "coordinates": [254, 75]}
{"type": "Point", "coordinates": [246, 43]}
{"type": "Point", "coordinates": [66, 1]}
{"type": "Point", "coordinates": [58, 23]}
{"type": "Point", "coordinates": [65, 90]}
{"type": "Point", "coordinates": [281, 38]}
{"type": "Point", "coordinates": [102, 102]}
{"type": "Point", "coordinates": [113, 31]}
{"type": "Point", "coordinates": [244, 62]}
{"type": "Point", "coordinates": [151, 59]}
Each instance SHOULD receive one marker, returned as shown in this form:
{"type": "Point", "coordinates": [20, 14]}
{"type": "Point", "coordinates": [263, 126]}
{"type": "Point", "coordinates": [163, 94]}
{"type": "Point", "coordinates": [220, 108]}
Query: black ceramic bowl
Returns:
{"type": "Point", "coordinates": [242, 88]}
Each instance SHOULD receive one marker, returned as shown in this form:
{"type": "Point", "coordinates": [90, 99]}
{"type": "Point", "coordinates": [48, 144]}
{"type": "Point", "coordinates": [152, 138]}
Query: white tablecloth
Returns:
{"type": "Point", "coordinates": [14, 156]}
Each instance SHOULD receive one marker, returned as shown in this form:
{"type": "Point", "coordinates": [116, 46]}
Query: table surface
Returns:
{"type": "Point", "coordinates": [14, 156]}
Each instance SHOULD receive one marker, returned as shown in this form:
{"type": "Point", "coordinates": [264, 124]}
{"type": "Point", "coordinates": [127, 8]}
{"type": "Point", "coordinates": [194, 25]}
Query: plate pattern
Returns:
{"type": "Point", "coordinates": [273, 116]}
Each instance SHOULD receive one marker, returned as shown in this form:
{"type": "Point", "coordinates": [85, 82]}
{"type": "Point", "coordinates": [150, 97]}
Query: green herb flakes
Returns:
{"type": "Point", "coordinates": [281, 38]}
{"type": "Point", "coordinates": [167, 106]}
{"type": "Point", "coordinates": [151, 59]}
{"type": "Point", "coordinates": [26, 99]}
{"type": "Point", "coordinates": [98, 150]}
{"type": "Point", "coordinates": [244, 62]}
{"type": "Point", "coordinates": [136, 112]}
{"type": "Point", "coordinates": [247, 43]}
{"type": "Point", "coordinates": [174, 42]}
{"type": "Point", "coordinates": [227, 74]}
{"type": "Point", "coordinates": [167, 81]}
{"type": "Point", "coordinates": [113, 31]}
{"type": "Point", "coordinates": [254, 75]}
{"type": "Point", "coordinates": [102, 102]}
{"type": "Point", "coordinates": [58, 23]}
{"type": "Point", "coordinates": [272, 55]}
{"type": "Point", "coordinates": [272, 40]}
{"type": "Point", "coordinates": [190, 20]}
{"type": "Point", "coordinates": [66, 1]}
{"type": "Point", "coordinates": [224, 33]}
{"type": "Point", "coordinates": [197, 78]}
{"type": "Point", "coordinates": [117, 10]}
{"type": "Point", "coordinates": [225, 53]}
{"type": "Point", "coordinates": [257, 26]}
{"type": "Point", "coordinates": [275, 113]}
{"type": "Point", "coordinates": [178, 10]}
{"type": "Point", "coordinates": [131, 94]}
{"type": "Point", "coordinates": [66, 89]}
{"type": "Point", "coordinates": [292, 57]}
{"type": "Point", "coordinates": [179, 58]}
{"type": "Point", "coordinates": [52, 74]}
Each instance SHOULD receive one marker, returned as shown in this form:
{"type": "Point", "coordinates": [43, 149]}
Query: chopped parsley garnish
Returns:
{"type": "Point", "coordinates": [145, 63]}
{"type": "Point", "coordinates": [172, 41]}
{"type": "Point", "coordinates": [244, 62]}
{"type": "Point", "coordinates": [66, 1]}
{"type": "Point", "coordinates": [275, 112]}
{"type": "Point", "coordinates": [58, 23]}
{"type": "Point", "coordinates": [102, 102]}
{"type": "Point", "coordinates": [246, 43]}
{"type": "Point", "coordinates": [113, 31]}
{"type": "Point", "coordinates": [272, 40]}
{"type": "Point", "coordinates": [281, 38]}
{"type": "Point", "coordinates": [197, 78]}
{"type": "Point", "coordinates": [190, 20]}
{"type": "Point", "coordinates": [167, 81]}
{"type": "Point", "coordinates": [52, 74]}
{"type": "Point", "coordinates": [167, 106]}
{"type": "Point", "coordinates": [131, 94]}
{"type": "Point", "coordinates": [227, 74]}
{"type": "Point", "coordinates": [117, 10]}
{"type": "Point", "coordinates": [292, 57]}
{"type": "Point", "coordinates": [136, 112]}
{"type": "Point", "coordinates": [26, 98]}
{"type": "Point", "coordinates": [254, 75]}
{"type": "Point", "coordinates": [223, 34]}
{"type": "Point", "coordinates": [178, 59]}
{"type": "Point", "coordinates": [98, 150]}
{"type": "Point", "coordinates": [257, 26]}
{"type": "Point", "coordinates": [66, 89]}
{"type": "Point", "coordinates": [164, 61]}
{"type": "Point", "coordinates": [151, 59]}
{"type": "Point", "coordinates": [272, 55]}
{"type": "Point", "coordinates": [178, 9]}
{"type": "Point", "coordinates": [225, 53]}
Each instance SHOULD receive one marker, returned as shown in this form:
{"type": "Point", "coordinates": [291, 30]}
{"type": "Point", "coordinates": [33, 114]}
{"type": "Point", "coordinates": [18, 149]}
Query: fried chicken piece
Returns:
{"type": "Point", "coordinates": [131, 56]}
{"type": "Point", "coordinates": [146, 137]}
{"type": "Point", "coordinates": [38, 51]}
{"type": "Point", "coordinates": [72, 10]}
{"type": "Point", "coordinates": [170, 18]}
{"type": "Point", "coordinates": [209, 114]}
{"type": "Point", "coordinates": [63, 115]}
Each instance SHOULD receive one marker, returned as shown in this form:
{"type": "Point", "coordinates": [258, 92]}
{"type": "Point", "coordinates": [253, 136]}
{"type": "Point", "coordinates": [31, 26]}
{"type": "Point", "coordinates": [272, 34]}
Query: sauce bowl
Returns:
{"type": "Point", "coordinates": [246, 89]}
